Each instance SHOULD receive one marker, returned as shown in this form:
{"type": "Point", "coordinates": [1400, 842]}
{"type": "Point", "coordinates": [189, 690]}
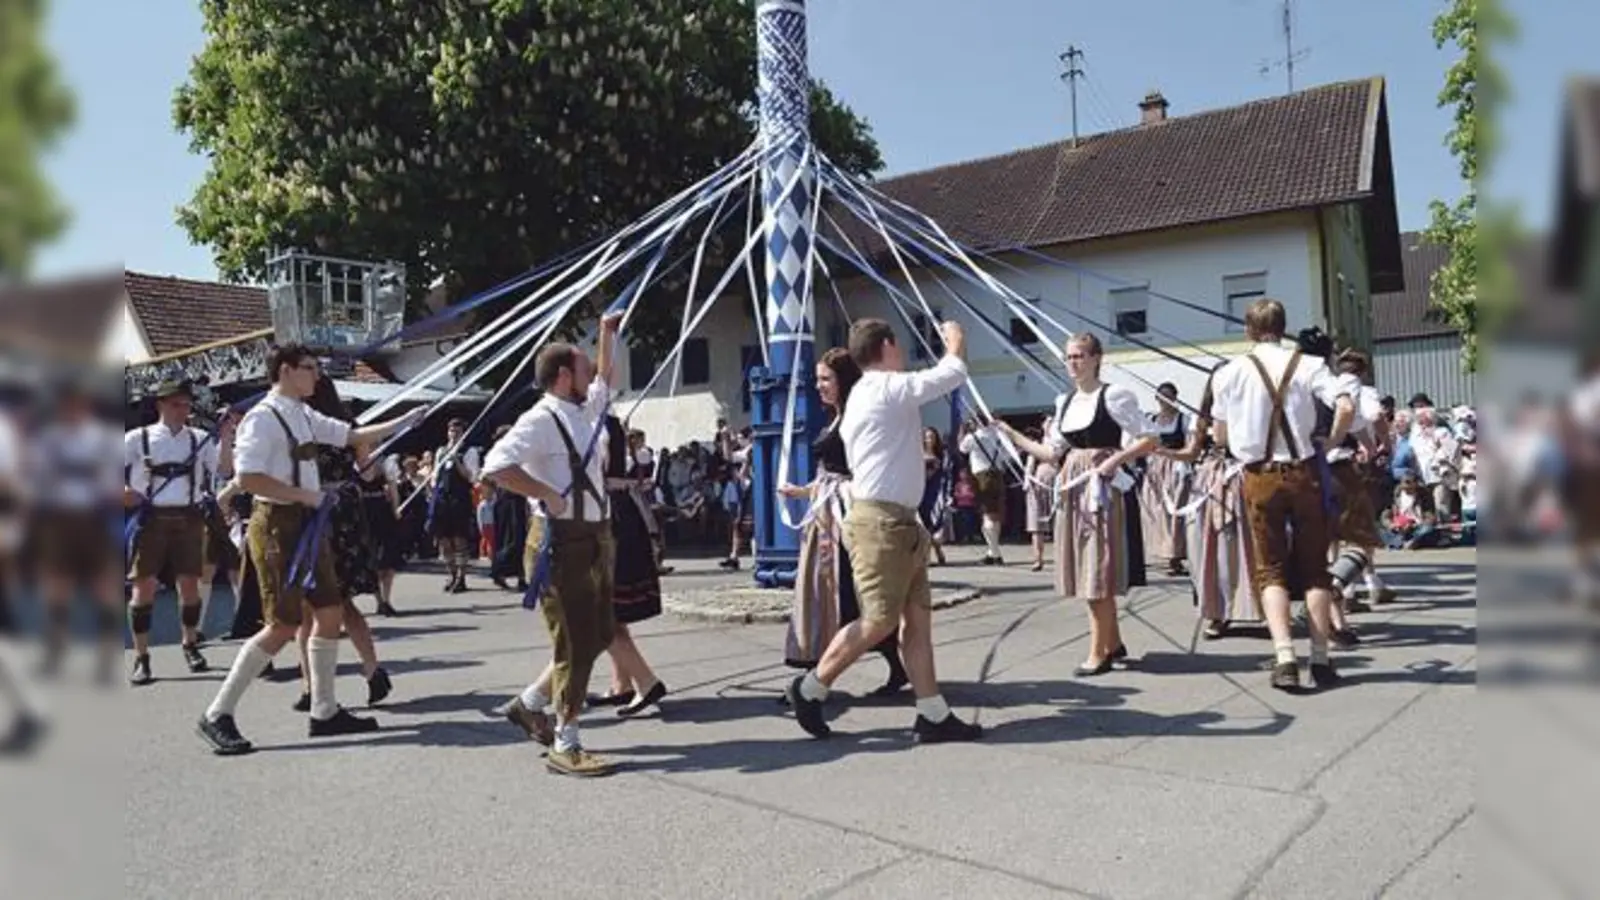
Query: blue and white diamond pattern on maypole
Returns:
{"type": "Point", "coordinates": [784, 93]}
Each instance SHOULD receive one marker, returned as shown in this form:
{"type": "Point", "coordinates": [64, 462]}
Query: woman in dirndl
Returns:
{"type": "Point", "coordinates": [1094, 549]}
{"type": "Point", "coordinates": [935, 493]}
{"type": "Point", "coordinates": [824, 589]}
{"type": "Point", "coordinates": [1219, 539]}
{"type": "Point", "coordinates": [636, 582]}
{"type": "Point", "coordinates": [1166, 486]}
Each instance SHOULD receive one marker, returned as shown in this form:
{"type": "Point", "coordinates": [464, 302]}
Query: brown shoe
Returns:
{"type": "Point", "coordinates": [535, 722]}
{"type": "Point", "coordinates": [578, 762]}
{"type": "Point", "coordinates": [1387, 595]}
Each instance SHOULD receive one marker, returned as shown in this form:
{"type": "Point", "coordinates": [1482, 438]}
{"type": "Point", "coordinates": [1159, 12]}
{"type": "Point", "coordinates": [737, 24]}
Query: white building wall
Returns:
{"type": "Point", "coordinates": [124, 341]}
{"type": "Point", "coordinates": [1189, 264]}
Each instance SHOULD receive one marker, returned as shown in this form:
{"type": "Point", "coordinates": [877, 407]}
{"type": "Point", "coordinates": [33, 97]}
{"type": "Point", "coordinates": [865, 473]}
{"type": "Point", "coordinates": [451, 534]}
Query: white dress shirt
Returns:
{"type": "Point", "coordinates": [534, 445]}
{"type": "Point", "coordinates": [262, 447]}
{"type": "Point", "coordinates": [1369, 409]}
{"type": "Point", "coordinates": [76, 465]}
{"type": "Point", "coordinates": [882, 430]}
{"type": "Point", "coordinates": [983, 449]}
{"type": "Point", "coordinates": [168, 447]}
{"type": "Point", "coordinates": [469, 458]}
{"type": "Point", "coordinates": [1243, 401]}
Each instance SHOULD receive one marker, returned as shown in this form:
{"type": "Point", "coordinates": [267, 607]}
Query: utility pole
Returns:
{"type": "Point", "coordinates": [1288, 41]}
{"type": "Point", "coordinates": [1071, 60]}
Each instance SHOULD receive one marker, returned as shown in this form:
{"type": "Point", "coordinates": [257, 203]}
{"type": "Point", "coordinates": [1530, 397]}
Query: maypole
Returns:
{"type": "Point", "coordinates": [784, 94]}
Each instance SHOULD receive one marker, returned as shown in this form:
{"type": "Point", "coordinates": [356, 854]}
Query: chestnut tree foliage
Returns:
{"type": "Point", "coordinates": [471, 138]}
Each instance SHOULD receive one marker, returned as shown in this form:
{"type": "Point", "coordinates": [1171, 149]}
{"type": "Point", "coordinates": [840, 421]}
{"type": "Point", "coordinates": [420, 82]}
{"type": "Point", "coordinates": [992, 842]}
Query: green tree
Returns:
{"type": "Point", "coordinates": [469, 138]}
{"type": "Point", "coordinates": [35, 110]}
{"type": "Point", "coordinates": [1473, 230]}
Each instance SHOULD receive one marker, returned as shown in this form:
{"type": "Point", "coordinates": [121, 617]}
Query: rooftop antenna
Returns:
{"type": "Point", "coordinates": [1290, 54]}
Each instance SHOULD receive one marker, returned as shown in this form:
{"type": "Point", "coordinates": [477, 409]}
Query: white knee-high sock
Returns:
{"type": "Point", "coordinates": [247, 666]}
{"type": "Point", "coordinates": [324, 655]}
{"type": "Point", "coordinates": [991, 536]}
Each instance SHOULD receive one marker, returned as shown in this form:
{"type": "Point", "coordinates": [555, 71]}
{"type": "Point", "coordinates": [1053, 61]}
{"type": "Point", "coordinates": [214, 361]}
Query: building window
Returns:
{"type": "Point", "coordinates": [1131, 308]}
{"type": "Point", "coordinates": [930, 337]}
{"type": "Point", "coordinates": [641, 365]}
{"type": "Point", "coordinates": [696, 362]}
{"type": "Point", "coordinates": [1239, 291]}
{"type": "Point", "coordinates": [1022, 335]}
{"type": "Point", "coordinates": [750, 358]}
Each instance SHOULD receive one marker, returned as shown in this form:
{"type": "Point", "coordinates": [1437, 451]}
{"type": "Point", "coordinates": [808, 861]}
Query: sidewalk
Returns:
{"type": "Point", "coordinates": [1184, 777]}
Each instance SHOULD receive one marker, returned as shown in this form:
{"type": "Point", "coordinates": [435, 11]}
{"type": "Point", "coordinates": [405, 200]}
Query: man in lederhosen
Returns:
{"type": "Point", "coordinates": [169, 467]}
{"type": "Point", "coordinates": [543, 458]}
{"type": "Point", "coordinates": [76, 497]}
{"type": "Point", "coordinates": [275, 462]}
{"type": "Point", "coordinates": [982, 445]}
{"type": "Point", "coordinates": [455, 471]}
{"type": "Point", "coordinates": [1355, 535]}
{"type": "Point", "coordinates": [1265, 408]}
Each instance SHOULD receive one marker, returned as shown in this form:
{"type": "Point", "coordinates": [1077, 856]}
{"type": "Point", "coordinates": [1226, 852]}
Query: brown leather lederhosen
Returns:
{"type": "Point", "coordinates": [576, 600]}
{"type": "Point", "coordinates": [271, 538]}
{"type": "Point", "coordinates": [1283, 501]}
{"type": "Point", "coordinates": [170, 537]}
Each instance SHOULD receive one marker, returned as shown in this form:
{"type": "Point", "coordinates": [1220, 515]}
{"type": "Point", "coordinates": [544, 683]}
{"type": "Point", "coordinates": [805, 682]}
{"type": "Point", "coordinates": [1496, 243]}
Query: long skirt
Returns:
{"type": "Point", "coordinates": [248, 615]}
{"type": "Point", "coordinates": [636, 586]}
{"type": "Point", "coordinates": [510, 536]}
{"type": "Point", "coordinates": [824, 587]}
{"type": "Point", "coordinates": [1094, 553]}
{"type": "Point", "coordinates": [1038, 500]}
{"type": "Point", "coordinates": [356, 552]}
{"type": "Point", "coordinates": [1220, 538]}
{"type": "Point", "coordinates": [1164, 490]}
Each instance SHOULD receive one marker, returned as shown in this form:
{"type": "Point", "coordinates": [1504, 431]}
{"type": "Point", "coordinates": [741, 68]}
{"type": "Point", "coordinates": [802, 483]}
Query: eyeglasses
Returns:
{"type": "Point", "coordinates": [1077, 356]}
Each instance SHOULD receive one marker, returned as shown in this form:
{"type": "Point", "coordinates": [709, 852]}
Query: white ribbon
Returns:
{"type": "Point", "coordinates": [603, 266]}
{"type": "Point", "coordinates": [716, 291]}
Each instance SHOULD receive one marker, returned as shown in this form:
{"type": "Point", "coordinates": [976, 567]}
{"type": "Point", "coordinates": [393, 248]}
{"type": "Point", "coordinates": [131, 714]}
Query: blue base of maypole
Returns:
{"type": "Point", "coordinates": [777, 546]}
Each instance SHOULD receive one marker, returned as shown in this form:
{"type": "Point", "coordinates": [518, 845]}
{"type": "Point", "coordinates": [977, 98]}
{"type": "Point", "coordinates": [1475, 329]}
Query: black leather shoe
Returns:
{"type": "Point", "coordinates": [951, 730]}
{"type": "Point", "coordinates": [807, 712]}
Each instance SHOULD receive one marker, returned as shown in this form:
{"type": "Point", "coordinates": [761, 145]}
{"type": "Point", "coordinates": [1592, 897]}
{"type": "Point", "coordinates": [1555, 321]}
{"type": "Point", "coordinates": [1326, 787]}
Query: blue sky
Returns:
{"type": "Point", "coordinates": [939, 80]}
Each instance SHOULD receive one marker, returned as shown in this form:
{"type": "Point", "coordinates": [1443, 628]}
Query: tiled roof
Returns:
{"type": "Point", "coordinates": [1321, 146]}
{"type": "Point", "coordinates": [179, 313]}
{"type": "Point", "coordinates": [1407, 314]}
{"type": "Point", "coordinates": [1542, 314]}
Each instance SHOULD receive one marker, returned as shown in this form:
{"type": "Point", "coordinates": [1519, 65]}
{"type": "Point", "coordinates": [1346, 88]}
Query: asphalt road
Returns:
{"type": "Point", "coordinates": [1185, 776]}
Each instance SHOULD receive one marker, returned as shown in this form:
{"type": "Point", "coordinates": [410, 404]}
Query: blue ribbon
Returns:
{"type": "Point", "coordinates": [1330, 503]}
{"type": "Point", "coordinates": [303, 567]}
{"type": "Point", "coordinates": [135, 522]}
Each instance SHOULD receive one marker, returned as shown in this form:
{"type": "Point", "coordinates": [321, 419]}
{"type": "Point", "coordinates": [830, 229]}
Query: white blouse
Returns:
{"type": "Point", "coordinates": [1080, 408]}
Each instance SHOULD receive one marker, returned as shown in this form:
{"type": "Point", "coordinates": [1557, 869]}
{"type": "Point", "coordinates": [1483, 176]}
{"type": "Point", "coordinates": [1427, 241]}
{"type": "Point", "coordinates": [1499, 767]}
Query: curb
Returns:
{"type": "Point", "coordinates": [708, 612]}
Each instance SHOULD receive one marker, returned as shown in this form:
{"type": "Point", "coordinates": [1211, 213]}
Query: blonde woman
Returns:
{"type": "Point", "coordinates": [1093, 547]}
